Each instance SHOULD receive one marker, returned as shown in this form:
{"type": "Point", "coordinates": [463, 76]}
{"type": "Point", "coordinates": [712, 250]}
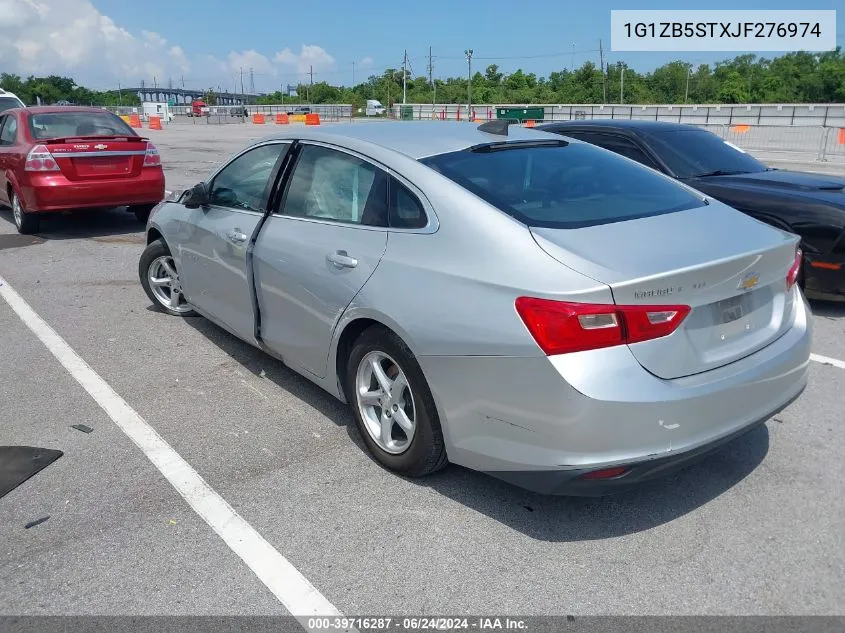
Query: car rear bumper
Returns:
{"type": "Point", "coordinates": [51, 193]}
{"type": "Point", "coordinates": [823, 281]}
{"type": "Point", "coordinates": [542, 423]}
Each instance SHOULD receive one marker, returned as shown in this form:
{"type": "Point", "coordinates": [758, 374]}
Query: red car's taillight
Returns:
{"type": "Point", "coordinates": [561, 327]}
{"type": "Point", "coordinates": [794, 270]}
{"type": "Point", "coordinates": [40, 159]}
{"type": "Point", "coordinates": [152, 157]}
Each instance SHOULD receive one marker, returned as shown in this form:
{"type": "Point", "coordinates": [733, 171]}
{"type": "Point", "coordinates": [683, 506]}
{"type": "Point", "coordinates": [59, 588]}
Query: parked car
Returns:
{"type": "Point", "coordinates": [9, 100]}
{"type": "Point", "coordinates": [299, 110]}
{"type": "Point", "coordinates": [74, 158]}
{"type": "Point", "coordinates": [531, 307]}
{"type": "Point", "coordinates": [810, 205]}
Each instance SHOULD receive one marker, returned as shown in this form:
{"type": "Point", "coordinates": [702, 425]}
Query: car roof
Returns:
{"type": "Point", "coordinates": [635, 125]}
{"type": "Point", "coordinates": [415, 139]}
{"type": "Point", "coordinates": [56, 109]}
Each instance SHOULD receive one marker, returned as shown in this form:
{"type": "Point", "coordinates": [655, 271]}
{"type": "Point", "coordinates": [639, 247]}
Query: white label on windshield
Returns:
{"type": "Point", "coordinates": [734, 146]}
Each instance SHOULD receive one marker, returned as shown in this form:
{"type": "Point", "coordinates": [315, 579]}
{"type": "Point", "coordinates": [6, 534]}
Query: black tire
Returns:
{"type": "Point", "coordinates": [142, 212]}
{"type": "Point", "coordinates": [153, 252]}
{"type": "Point", "coordinates": [26, 223]}
{"type": "Point", "coordinates": [426, 452]}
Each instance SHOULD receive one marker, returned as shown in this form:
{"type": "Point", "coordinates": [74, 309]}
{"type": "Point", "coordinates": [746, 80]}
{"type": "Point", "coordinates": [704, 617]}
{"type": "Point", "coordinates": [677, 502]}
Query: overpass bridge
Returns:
{"type": "Point", "coordinates": [184, 96]}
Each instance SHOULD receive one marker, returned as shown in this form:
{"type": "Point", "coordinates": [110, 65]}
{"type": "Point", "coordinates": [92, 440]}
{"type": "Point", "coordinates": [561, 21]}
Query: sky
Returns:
{"type": "Point", "coordinates": [104, 44]}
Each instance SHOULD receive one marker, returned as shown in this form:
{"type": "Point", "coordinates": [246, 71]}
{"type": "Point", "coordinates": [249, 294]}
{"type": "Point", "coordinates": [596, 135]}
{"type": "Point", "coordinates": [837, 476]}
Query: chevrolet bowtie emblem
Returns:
{"type": "Point", "coordinates": [749, 281]}
{"type": "Point", "coordinates": [100, 146]}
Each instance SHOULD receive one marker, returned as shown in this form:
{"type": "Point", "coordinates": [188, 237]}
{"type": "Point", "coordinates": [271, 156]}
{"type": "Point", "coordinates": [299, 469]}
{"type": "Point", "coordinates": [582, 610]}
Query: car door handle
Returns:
{"type": "Point", "coordinates": [236, 236]}
{"type": "Point", "coordinates": [342, 260]}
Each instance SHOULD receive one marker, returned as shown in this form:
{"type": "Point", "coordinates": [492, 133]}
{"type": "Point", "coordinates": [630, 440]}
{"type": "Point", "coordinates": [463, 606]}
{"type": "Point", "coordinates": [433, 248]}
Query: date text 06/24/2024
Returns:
{"type": "Point", "coordinates": [415, 624]}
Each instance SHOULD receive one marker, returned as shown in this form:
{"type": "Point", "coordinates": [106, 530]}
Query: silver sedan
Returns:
{"type": "Point", "coordinates": [509, 300]}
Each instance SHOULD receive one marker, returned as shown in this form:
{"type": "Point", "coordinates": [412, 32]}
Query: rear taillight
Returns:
{"type": "Point", "coordinates": [794, 270]}
{"type": "Point", "coordinates": [561, 327]}
{"type": "Point", "coordinates": [152, 157]}
{"type": "Point", "coordinates": [40, 159]}
{"type": "Point", "coordinates": [607, 473]}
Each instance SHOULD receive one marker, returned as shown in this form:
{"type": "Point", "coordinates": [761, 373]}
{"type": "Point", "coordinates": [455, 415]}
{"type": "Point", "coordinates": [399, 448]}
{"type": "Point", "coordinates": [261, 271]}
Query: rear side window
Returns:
{"type": "Point", "coordinates": [405, 211]}
{"type": "Point", "coordinates": [60, 124]}
{"type": "Point", "coordinates": [563, 185]}
{"type": "Point", "coordinates": [9, 133]}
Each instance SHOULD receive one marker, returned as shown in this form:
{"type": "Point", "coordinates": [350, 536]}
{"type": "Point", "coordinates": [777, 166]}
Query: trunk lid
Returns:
{"type": "Point", "coordinates": [729, 268]}
{"type": "Point", "coordinates": [100, 157]}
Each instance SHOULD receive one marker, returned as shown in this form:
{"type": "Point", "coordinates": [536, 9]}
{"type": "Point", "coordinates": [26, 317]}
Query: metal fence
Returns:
{"type": "Point", "coordinates": [816, 133]}
{"type": "Point", "coordinates": [810, 115]}
{"type": "Point", "coordinates": [327, 112]}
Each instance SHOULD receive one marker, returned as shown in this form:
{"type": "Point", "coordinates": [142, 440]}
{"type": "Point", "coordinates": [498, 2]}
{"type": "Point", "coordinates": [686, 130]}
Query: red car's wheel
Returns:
{"type": "Point", "coordinates": [26, 223]}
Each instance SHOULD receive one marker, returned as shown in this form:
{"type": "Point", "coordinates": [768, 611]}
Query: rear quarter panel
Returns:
{"type": "Point", "coordinates": [452, 292]}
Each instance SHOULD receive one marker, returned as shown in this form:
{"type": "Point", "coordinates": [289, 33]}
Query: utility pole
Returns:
{"type": "Point", "coordinates": [430, 81]}
{"type": "Point", "coordinates": [686, 92]}
{"type": "Point", "coordinates": [468, 54]}
{"type": "Point", "coordinates": [183, 82]}
{"type": "Point", "coordinates": [251, 81]}
{"type": "Point", "coordinates": [119, 94]}
{"type": "Point", "coordinates": [405, 77]}
{"type": "Point", "coordinates": [311, 73]}
{"type": "Point", "coordinates": [353, 75]}
{"type": "Point", "coordinates": [622, 82]}
{"type": "Point", "coordinates": [603, 75]}
{"type": "Point", "coordinates": [242, 80]}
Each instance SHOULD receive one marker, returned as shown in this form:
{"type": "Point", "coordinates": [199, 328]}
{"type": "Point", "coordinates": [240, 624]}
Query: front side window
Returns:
{"type": "Point", "coordinates": [563, 185]}
{"type": "Point", "coordinates": [243, 183]}
{"type": "Point", "coordinates": [331, 185]}
{"type": "Point", "coordinates": [8, 131]}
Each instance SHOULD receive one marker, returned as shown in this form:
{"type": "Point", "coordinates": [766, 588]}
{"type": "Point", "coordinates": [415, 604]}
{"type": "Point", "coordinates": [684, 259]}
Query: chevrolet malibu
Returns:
{"type": "Point", "coordinates": [519, 303]}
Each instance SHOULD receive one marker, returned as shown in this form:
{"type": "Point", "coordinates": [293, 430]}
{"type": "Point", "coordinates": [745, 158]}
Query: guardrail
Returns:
{"type": "Point", "coordinates": [802, 114]}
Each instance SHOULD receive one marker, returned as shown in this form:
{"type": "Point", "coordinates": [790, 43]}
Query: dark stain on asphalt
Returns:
{"type": "Point", "coordinates": [14, 240]}
{"type": "Point", "coordinates": [132, 238]}
{"type": "Point", "coordinates": [108, 282]}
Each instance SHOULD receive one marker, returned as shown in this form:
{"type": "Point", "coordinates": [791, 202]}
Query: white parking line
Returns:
{"type": "Point", "coordinates": [826, 360]}
{"type": "Point", "coordinates": [291, 588]}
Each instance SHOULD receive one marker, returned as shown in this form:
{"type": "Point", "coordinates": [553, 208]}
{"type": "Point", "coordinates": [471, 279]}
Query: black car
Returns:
{"type": "Point", "coordinates": [810, 205]}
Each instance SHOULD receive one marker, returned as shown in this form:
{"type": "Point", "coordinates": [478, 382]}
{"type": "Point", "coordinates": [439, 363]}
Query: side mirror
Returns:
{"type": "Point", "coordinates": [225, 197]}
{"type": "Point", "coordinates": [197, 196]}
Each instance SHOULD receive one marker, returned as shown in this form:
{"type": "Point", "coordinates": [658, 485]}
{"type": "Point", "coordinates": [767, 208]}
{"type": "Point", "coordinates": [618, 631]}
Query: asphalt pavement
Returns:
{"type": "Point", "coordinates": [758, 528]}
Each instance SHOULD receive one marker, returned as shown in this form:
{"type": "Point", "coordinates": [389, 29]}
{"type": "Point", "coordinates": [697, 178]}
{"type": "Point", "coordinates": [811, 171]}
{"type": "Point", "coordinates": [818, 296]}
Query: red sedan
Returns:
{"type": "Point", "coordinates": [56, 159]}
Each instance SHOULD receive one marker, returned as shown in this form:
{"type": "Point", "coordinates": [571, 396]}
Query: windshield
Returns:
{"type": "Point", "coordinates": [7, 103]}
{"type": "Point", "coordinates": [564, 186]}
{"type": "Point", "coordinates": [61, 124]}
{"type": "Point", "coordinates": [690, 153]}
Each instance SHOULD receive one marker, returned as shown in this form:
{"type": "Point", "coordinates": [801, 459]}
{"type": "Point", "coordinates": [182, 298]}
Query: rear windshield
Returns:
{"type": "Point", "coordinates": [563, 185]}
{"type": "Point", "coordinates": [59, 124]}
{"type": "Point", "coordinates": [7, 103]}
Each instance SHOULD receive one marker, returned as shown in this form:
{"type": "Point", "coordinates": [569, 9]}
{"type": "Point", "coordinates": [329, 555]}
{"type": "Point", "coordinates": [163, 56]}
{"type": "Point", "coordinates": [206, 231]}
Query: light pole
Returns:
{"type": "Point", "coordinates": [468, 54]}
{"type": "Point", "coordinates": [686, 91]}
